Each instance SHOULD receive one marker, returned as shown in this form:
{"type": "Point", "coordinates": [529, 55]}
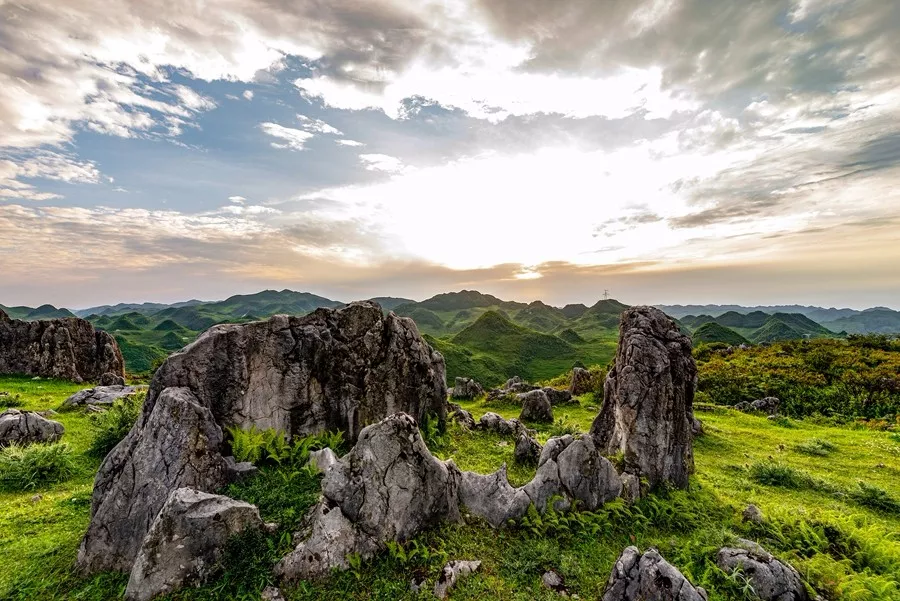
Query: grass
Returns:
{"type": "Point", "coordinates": [840, 535]}
{"type": "Point", "coordinates": [28, 467]}
{"type": "Point", "coordinates": [113, 424]}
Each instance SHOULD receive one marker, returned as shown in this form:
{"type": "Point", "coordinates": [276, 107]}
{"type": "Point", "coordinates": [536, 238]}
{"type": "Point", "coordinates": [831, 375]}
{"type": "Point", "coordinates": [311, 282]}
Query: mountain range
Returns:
{"type": "Point", "coordinates": [480, 335]}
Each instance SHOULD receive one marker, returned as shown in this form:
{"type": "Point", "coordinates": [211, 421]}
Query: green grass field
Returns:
{"type": "Point", "coordinates": [816, 517]}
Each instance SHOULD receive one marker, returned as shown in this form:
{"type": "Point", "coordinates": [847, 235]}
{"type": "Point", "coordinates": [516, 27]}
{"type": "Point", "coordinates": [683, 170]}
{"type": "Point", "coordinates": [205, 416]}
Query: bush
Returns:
{"type": "Point", "coordinates": [112, 425]}
{"type": "Point", "coordinates": [271, 447]}
{"type": "Point", "coordinates": [874, 498]}
{"type": "Point", "coordinates": [9, 401]}
{"type": "Point", "coordinates": [815, 446]}
{"type": "Point", "coordinates": [777, 474]}
{"type": "Point", "coordinates": [31, 466]}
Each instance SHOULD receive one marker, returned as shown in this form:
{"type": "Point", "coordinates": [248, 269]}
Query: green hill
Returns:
{"type": "Point", "coordinates": [122, 323]}
{"type": "Point", "coordinates": [167, 325]}
{"type": "Point", "coordinates": [879, 320]}
{"type": "Point", "coordinates": [713, 332]}
{"type": "Point", "coordinates": [733, 319]}
{"type": "Point", "coordinates": [541, 317]}
{"type": "Point", "coordinates": [695, 321]}
{"type": "Point", "coordinates": [426, 320]}
{"type": "Point", "coordinates": [571, 336]}
{"type": "Point", "coordinates": [466, 299]}
{"type": "Point", "coordinates": [775, 330]}
{"type": "Point", "coordinates": [573, 311]}
{"type": "Point", "coordinates": [18, 312]}
{"type": "Point", "coordinates": [389, 303]}
{"type": "Point", "coordinates": [48, 312]}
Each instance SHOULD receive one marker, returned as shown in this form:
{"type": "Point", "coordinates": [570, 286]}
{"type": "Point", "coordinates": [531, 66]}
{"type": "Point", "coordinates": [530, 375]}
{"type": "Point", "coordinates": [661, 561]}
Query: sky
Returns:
{"type": "Point", "coordinates": [669, 151]}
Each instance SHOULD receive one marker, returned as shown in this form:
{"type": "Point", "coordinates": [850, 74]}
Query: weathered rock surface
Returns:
{"type": "Point", "coordinates": [772, 580]}
{"type": "Point", "coordinates": [111, 379]}
{"type": "Point", "coordinates": [527, 451]}
{"type": "Point", "coordinates": [553, 580]}
{"type": "Point", "coordinates": [752, 514]}
{"type": "Point", "coordinates": [536, 407]}
{"type": "Point", "coordinates": [335, 369]}
{"type": "Point", "coordinates": [464, 419]}
{"type": "Point", "coordinates": [631, 488]}
{"type": "Point", "coordinates": [557, 397]}
{"type": "Point", "coordinates": [466, 388]}
{"type": "Point", "coordinates": [69, 348]}
{"type": "Point", "coordinates": [767, 405]}
{"type": "Point", "coordinates": [388, 487]}
{"type": "Point", "coordinates": [27, 427]}
{"type": "Point", "coordinates": [185, 541]}
{"type": "Point", "coordinates": [173, 445]}
{"type": "Point", "coordinates": [323, 459]}
{"type": "Point", "coordinates": [648, 399]}
{"type": "Point", "coordinates": [492, 422]}
{"type": "Point", "coordinates": [696, 427]}
{"type": "Point", "coordinates": [515, 385]}
{"type": "Point", "coordinates": [581, 381]}
{"type": "Point", "coordinates": [648, 577]}
{"type": "Point", "coordinates": [102, 395]}
{"type": "Point", "coordinates": [451, 573]}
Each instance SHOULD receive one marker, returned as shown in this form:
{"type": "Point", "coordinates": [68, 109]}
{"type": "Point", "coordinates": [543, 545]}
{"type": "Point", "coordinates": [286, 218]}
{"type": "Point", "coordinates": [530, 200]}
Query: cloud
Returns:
{"type": "Point", "coordinates": [381, 162]}
{"type": "Point", "coordinates": [47, 165]}
{"type": "Point", "coordinates": [352, 143]}
{"type": "Point", "coordinates": [247, 94]}
{"type": "Point", "coordinates": [292, 139]}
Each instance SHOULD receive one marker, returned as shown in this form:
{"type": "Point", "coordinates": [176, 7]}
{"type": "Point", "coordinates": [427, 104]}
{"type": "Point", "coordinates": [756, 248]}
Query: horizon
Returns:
{"type": "Point", "coordinates": [672, 151]}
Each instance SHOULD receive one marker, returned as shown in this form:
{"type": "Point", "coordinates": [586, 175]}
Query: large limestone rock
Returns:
{"type": "Point", "coordinates": [772, 580]}
{"type": "Point", "coordinates": [186, 540]}
{"type": "Point", "coordinates": [102, 395]}
{"type": "Point", "coordinates": [536, 407]}
{"type": "Point", "coordinates": [581, 381]}
{"type": "Point", "coordinates": [175, 444]}
{"type": "Point", "coordinates": [335, 369]}
{"type": "Point", "coordinates": [648, 577]}
{"type": "Point", "coordinates": [388, 487]}
{"type": "Point", "coordinates": [69, 349]}
{"type": "Point", "coordinates": [27, 427]}
{"type": "Point", "coordinates": [647, 411]}
{"type": "Point", "coordinates": [558, 397]}
{"type": "Point", "coordinates": [466, 388]}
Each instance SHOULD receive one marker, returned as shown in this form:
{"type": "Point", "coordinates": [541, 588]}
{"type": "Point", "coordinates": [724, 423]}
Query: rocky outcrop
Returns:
{"type": "Point", "coordinates": [102, 395]}
{"type": "Point", "coordinates": [68, 348]}
{"type": "Point", "coordinates": [335, 369]}
{"type": "Point", "coordinates": [185, 541]}
{"type": "Point", "coordinates": [768, 405]}
{"type": "Point", "coordinates": [491, 422]}
{"type": "Point", "coordinates": [536, 407]}
{"type": "Point", "coordinates": [464, 419]}
{"type": "Point", "coordinates": [581, 382]}
{"type": "Point", "coordinates": [466, 388]}
{"type": "Point", "coordinates": [515, 385]}
{"type": "Point", "coordinates": [27, 427]}
{"type": "Point", "coordinates": [647, 411]}
{"type": "Point", "coordinates": [388, 487]}
{"type": "Point", "coordinates": [527, 451]}
{"type": "Point", "coordinates": [452, 572]}
{"type": "Point", "coordinates": [557, 397]}
{"type": "Point", "coordinates": [648, 577]}
{"type": "Point", "coordinates": [771, 579]}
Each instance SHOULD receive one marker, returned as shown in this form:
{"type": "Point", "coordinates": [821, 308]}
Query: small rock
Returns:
{"type": "Point", "coordinates": [648, 577]}
{"type": "Point", "coordinates": [558, 397]}
{"type": "Point", "coordinates": [581, 381]}
{"type": "Point", "coordinates": [464, 419]}
{"type": "Point", "coordinates": [451, 573]}
{"type": "Point", "coordinates": [491, 422]}
{"type": "Point", "coordinates": [102, 395]}
{"type": "Point", "coordinates": [772, 580]}
{"type": "Point", "coordinates": [631, 488]}
{"type": "Point", "coordinates": [528, 450]}
{"type": "Point", "coordinates": [768, 405]}
{"type": "Point", "coordinates": [322, 460]}
{"type": "Point", "coordinates": [27, 427]}
{"type": "Point", "coordinates": [752, 514]}
{"type": "Point", "coordinates": [111, 379]}
{"type": "Point", "coordinates": [536, 407]}
{"type": "Point", "coordinates": [696, 426]}
{"type": "Point", "coordinates": [552, 580]}
{"type": "Point", "coordinates": [272, 593]}
{"type": "Point", "coordinates": [466, 388]}
{"type": "Point", "coordinates": [36, 498]}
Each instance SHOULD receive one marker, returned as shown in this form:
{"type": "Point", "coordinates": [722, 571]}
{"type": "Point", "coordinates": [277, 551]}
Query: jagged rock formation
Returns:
{"type": "Point", "coordinates": [536, 407]}
{"type": "Point", "coordinates": [27, 427]}
{"type": "Point", "coordinates": [772, 580]}
{"type": "Point", "coordinates": [647, 412]}
{"type": "Point", "coordinates": [68, 348]}
{"type": "Point", "coordinates": [581, 381]}
{"type": "Point", "coordinates": [102, 395]}
{"type": "Point", "coordinates": [388, 487]}
{"type": "Point", "coordinates": [335, 369]}
{"type": "Point", "coordinates": [451, 573]}
{"type": "Point", "coordinates": [466, 388]}
{"type": "Point", "coordinates": [185, 541]}
{"type": "Point", "coordinates": [515, 385]}
{"type": "Point", "coordinates": [464, 419]}
{"type": "Point", "coordinates": [648, 577]}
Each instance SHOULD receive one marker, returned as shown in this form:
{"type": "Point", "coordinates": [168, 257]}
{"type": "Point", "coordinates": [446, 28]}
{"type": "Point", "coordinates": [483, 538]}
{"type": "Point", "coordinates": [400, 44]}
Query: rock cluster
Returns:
{"type": "Point", "coordinates": [648, 577]}
{"type": "Point", "coordinates": [102, 395]}
{"type": "Point", "coordinates": [466, 388]}
{"type": "Point", "coordinates": [647, 412]}
{"type": "Point", "coordinates": [335, 369]}
{"type": "Point", "coordinates": [772, 580]}
{"type": "Point", "coordinates": [27, 427]}
{"type": "Point", "coordinates": [768, 405]}
{"type": "Point", "coordinates": [68, 348]}
{"type": "Point", "coordinates": [492, 422]}
{"type": "Point", "coordinates": [557, 397]}
{"type": "Point", "coordinates": [451, 573]}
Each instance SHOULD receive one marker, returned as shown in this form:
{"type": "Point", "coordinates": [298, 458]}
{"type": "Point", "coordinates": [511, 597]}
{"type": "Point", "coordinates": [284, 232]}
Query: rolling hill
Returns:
{"type": "Point", "coordinates": [714, 332]}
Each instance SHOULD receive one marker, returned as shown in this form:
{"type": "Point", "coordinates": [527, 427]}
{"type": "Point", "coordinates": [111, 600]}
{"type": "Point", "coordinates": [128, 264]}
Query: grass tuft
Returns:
{"type": "Point", "coordinates": [32, 466]}
{"type": "Point", "coordinates": [815, 446]}
{"type": "Point", "coordinates": [874, 497]}
{"type": "Point", "coordinates": [112, 425]}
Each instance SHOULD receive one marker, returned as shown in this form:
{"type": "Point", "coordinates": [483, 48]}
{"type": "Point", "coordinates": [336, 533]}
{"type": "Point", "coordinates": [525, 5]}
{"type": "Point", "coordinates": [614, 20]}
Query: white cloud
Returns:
{"type": "Point", "coordinates": [317, 126]}
{"type": "Point", "coordinates": [42, 165]}
{"type": "Point", "coordinates": [237, 199]}
{"type": "Point", "coordinates": [352, 143]}
{"type": "Point", "coordinates": [247, 94]}
{"type": "Point", "coordinates": [381, 162]}
{"type": "Point", "coordinates": [293, 139]}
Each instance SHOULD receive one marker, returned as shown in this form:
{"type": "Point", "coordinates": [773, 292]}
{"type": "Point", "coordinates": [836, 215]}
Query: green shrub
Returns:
{"type": "Point", "coordinates": [815, 446]}
{"type": "Point", "coordinates": [562, 426]}
{"type": "Point", "coordinates": [112, 425]}
{"type": "Point", "coordinates": [31, 466]}
{"type": "Point", "coordinates": [778, 474]}
{"type": "Point", "coordinates": [873, 497]}
{"type": "Point", "coordinates": [8, 401]}
{"type": "Point", "coordinates": [271, 447]}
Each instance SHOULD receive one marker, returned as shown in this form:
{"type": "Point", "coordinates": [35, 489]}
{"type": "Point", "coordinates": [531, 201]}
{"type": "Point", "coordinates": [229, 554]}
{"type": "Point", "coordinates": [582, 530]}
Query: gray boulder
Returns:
{"type": "Point", "coordinates": [491, 422]}
{"type": "Point", "coordinates": [466, 388]}
{"type": "Point", "coordinates": [771, 579]}
{"type": "Point", "coordinates": [335, 369]}
{"type": "Point", "coordinates": [581, 382]}
{"type": "Point", "coordinates": [464, 419]}
{"type": "Point", "coordinates": [536, 407]}
{"type": "Point", "coordinates": [451, 573]}
{"type": "Point", "coordinates": [648, 577]}
{"type": "Point", "coordinates": [185, 541]}
{"type": "Point", "coordinates": [648, 399]}
{"type": "Point", "coordinates": [696, 427]}
{"type": "Point", "coordinates": [323, 459]}
{"type": "Point", "coordinates": [557, 397]}
{"type": "Point", "coordinates": [68, 348]}
{"type": "Point", "coordinates": [768, 405]}
{"type": "Point", "coordinates": [586, 476]}
{"type": "Point", "coordinates": [387, 488]}
{"type": "Point", "coordinates": [27, 427]}
{"type": "Point", "coordinates": [102, 395]}
{"type": "Point", "coordinates": [752, 514]}
{"type": "Point", "coordinates": [527, 451]}
{"type": "Point", "coordinates": [111, 379]}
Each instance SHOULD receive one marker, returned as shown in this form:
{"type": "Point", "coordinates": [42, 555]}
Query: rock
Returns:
{"type": "Point", "coordinates": [491, 422]}
{"type": "Point", "coordinates": [464, 419]}
{"type": "Point", "coordinates": [552, 580]}
{"type": "Point", "coordinates": [742, 406]}
{"type": "Point", "coordinates": [322, 460]}
{"type": "Point", "coordinates": [185, 541]}
{"type": "Point", "coordinates": [648, 399]}
{"type": "Point", "coordinates": [527, 451]}
{"type": "Point", "coordinates": [581, 382]}
{"type": "Point", "coordinates": [466, 388]}
{"type": "Point", "coordinates": [536, 407]}
{"type": "Point", "coordinates": [631, 488]}
{"type": "Point", "coordinates": [334, 369]}
{"type": "Point", "coordinates": [68, 348]}
{"type": "Point", "coordinates": [772, 580]}
{"type": "Point", "coordinates": [696, 427]}
{"type": "Point", "coordinates": [387, 488]}
{"type": "Point", "coordinates": [272, 593]}
{"type": "Point", "coordinates": [557, 397]}
{"type": "Point", "coordinates": [752, 514]}
{"type": "Point", "coordinates": [27, 427]}
{"type": "Point", "coordinates": [452, 572]}
{"type": "Point", "coordinates": [492, 498]}
{"type": "Point", "coordinates": [587, 476]}
{"type": "Point", "coordinates": [111, 379]}
{"type": "Point", "coordinates": [648, 577]}
{"type": "Point", "coordinates": [768, 405]}
{"type": "Point", "coordinates": [173, 445]}
{"type": "Point", "coordinates": [102, 395]}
